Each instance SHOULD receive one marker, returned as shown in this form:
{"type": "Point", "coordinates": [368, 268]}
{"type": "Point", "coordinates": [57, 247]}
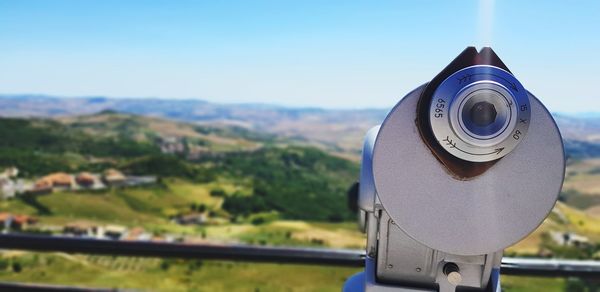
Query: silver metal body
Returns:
{"type": "Point", "coordinates": [418, 217]}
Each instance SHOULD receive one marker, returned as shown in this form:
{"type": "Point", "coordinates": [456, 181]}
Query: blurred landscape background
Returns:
{"type": "Point", "coordinates": [242, 122]}
{"type": "Point", "coordinates": [199, 172]}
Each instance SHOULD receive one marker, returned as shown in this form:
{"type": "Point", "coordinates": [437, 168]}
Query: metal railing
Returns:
{"type": "Point", "coordinates": [321, 256]}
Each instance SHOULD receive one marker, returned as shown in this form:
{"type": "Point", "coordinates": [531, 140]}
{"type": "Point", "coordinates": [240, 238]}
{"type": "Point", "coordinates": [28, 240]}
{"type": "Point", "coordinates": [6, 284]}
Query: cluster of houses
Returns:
{"type": "Point", "coordinates": [19, 222]}
{"type": "Point", "coordinates": [16, 222]}
{"type": "Point", "coordinates": [11, 186]}
{"type": "Point", "coordinates": [195, 218]}
{"type": "Point", "coordinates": [10, 221]}
{"type": "Point", "coordinates": [570, 239]}
{"type": "Point", "coordinates": [114, 232]}
{"type": "Point", "coordinates": [180, 145]}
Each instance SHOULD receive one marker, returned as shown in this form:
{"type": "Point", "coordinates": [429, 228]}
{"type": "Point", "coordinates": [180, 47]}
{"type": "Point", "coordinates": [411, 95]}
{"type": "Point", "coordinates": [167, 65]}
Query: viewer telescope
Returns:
{"type": "Point", "coordinates": [461, 168]}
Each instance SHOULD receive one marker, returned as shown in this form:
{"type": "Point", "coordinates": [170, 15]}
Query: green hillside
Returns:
{"type": "Point", "coordinates": [296, 182]}
{"type": "Point", "coordinates": [201, 138]}
{"type": "Point", "coordinates": [300, 183]}
{"type": "Point", "coordinates": [40, 146]}
{"type": "Point", "coordinates": [253, 188]}
{"type": "Point", "coordinates": [153, 207]}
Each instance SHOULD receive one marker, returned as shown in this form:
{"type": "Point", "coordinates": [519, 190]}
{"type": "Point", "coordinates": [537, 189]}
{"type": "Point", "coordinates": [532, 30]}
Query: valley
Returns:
{"type": "Point", "coordinates": [227, 176]}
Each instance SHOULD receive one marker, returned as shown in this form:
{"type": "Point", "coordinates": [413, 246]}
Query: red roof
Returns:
{"type": "Point", "coordinates": [4, 216]}
{"type": "Point", "coordinates": [21, 219]}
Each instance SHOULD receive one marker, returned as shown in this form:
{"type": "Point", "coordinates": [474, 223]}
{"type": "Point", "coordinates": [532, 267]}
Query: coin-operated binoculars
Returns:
{"type": "Point", "coordinates": [461, 168]}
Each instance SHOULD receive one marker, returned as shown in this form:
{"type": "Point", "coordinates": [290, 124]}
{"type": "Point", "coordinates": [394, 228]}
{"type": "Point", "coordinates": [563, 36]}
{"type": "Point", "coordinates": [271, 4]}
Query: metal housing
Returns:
{"type": "Point", "coordinates": [472, 217]}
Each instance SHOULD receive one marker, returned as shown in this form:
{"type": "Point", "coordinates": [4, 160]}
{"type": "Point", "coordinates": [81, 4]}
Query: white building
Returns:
{"type": "Point", "coordinates": [7, 188]}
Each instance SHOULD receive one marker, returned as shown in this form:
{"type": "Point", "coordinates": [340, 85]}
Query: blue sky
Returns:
{"type": "Point", "coordinates": [334, 54]}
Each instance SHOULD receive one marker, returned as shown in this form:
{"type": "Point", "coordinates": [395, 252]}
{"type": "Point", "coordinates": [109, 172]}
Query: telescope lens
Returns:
{"type": "Point", "coordinates": [483, 114]}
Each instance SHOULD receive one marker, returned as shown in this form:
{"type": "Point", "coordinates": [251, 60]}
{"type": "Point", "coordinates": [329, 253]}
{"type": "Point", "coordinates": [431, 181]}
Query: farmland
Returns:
{"type": "Point", "coordinates": [243, 186]}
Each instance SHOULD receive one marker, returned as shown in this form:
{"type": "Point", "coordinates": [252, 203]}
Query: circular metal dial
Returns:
{"type": "Point", "coordinates": [480, 113]}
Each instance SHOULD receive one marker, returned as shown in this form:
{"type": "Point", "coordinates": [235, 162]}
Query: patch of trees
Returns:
{"type": "Point", "coordinates": [52, 137]}
{"type": "Point", "coordinates": [38, 147]}
{"type": "Point", "coordinates": [298, 182]}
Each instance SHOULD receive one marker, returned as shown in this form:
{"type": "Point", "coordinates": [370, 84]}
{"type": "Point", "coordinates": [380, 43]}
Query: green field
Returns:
{"type": "Point", "coordinates": [169, 275]}
{"type": "Point", "coordinates": [150, 274]}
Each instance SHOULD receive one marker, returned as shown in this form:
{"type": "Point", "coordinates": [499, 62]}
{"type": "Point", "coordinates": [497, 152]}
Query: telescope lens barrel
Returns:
{"type": "Point", "coordinates": [482, 114]}
{"type": "Point", "coordinates": [479, 113]}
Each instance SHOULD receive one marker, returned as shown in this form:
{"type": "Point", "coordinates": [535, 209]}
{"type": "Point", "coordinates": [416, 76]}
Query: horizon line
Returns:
{"type": "Point", "coordinates": [580, 114]}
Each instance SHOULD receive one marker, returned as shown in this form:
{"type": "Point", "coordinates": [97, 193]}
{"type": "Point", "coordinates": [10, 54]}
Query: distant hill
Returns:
{"type": "Point", "coordinates": [338, 131]}
{"type": "Point", "coordinates": [581, 128]}
{"type": "Point", "coordinates": [172, 136]}
{"type": "Point", "coordinates": [41, 145]}
{"type": "Point", "coordinates": [581, 135]}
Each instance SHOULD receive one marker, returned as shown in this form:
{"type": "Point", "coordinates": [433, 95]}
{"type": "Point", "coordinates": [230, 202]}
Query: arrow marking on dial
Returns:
{"type": "Point", "coordinates": [467, 77]}
{"type": "Point", "coordinates": [449, 142]}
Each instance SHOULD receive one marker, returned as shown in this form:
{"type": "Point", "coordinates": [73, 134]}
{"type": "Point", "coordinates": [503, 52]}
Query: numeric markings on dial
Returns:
{"type": "Point", "coordinates": [524, 107]}
{"type": "Point", "coordinates": [523, 121]}
{"type": "Point", "coordinates": [440, 107]}
{"type": "Point", "coordinates": [517, 135]}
